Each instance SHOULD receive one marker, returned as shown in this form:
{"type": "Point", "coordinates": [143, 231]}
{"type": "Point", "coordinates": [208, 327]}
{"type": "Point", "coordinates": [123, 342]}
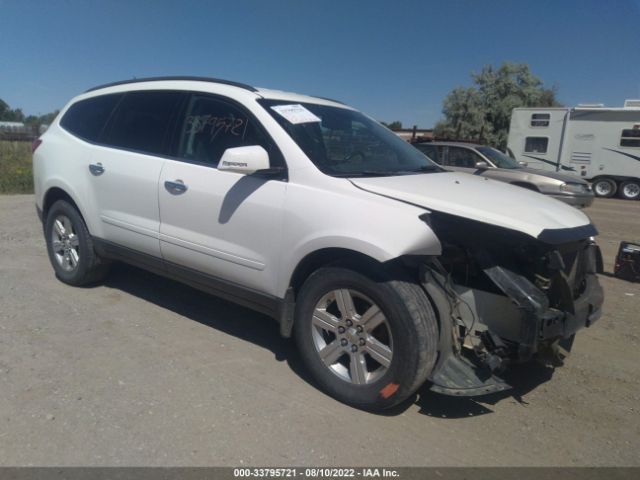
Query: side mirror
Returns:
{"type": "Point", "coordinates": [245, 160]}
{"type": "Point", "coordinates": [482, 165]}
{"type": "Point", "coordinates": [523, 164]}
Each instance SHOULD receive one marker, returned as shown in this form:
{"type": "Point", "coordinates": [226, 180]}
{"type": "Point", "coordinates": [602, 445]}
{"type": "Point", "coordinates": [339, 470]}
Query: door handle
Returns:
{"type": "Point", "coordinates": [96, 169]}
{"type": "Point", "coordinates": [176, 187]}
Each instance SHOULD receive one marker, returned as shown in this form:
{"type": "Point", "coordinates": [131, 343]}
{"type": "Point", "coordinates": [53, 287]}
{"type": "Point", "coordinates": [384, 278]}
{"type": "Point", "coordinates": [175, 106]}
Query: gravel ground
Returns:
{"type": "Point", "coordinates": [145, 371]}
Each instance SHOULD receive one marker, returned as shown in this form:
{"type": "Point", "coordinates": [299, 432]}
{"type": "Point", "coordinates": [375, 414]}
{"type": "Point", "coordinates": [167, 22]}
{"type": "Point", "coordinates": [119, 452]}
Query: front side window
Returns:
{"type": "Point", "coordinates": [536, 144]}
{"type": "Point", "coordinates": [211, 125]}
{"type": "Point", "coordinates": [462, 157]}
{"type": "Point", "coordinates": [540, 119]}
{"type": "Point", "coordinates": [142, 121]}
{"type": "Point", "coordinates": [345, 143]}
{"type": "Point", "coordinates": [86, 119]}
{"type": "Point", "coordinates": [630, 137]}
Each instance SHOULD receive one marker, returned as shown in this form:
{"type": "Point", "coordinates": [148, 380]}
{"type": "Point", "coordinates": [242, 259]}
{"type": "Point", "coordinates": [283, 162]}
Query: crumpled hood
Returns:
{"type": "Point", "coordinates": [478, 198]}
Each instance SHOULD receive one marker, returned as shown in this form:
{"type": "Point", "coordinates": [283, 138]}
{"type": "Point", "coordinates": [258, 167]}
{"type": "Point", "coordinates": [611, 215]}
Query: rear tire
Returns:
{"type": "Point", "coordinates": [630, 190]}
{"type": "Point", "coordinates": [604, 187]}
{"type": "Point", "coordinates": [70, 246]}
{"type": "Point", "coordinates": [368, 343]}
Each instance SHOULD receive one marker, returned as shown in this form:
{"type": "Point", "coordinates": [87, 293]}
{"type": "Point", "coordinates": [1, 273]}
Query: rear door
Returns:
{"type": "Point", "coordinates": [124, 172]}
{"type": "Point", "coordinates": [223, 226]}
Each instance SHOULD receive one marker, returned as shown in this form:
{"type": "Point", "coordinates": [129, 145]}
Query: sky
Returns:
{"type": "Point", "coordinates": [395, 60]}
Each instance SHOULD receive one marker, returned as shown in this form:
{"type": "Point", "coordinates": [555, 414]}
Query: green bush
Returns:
{"type": "Point", "coordinates": [16, 174]}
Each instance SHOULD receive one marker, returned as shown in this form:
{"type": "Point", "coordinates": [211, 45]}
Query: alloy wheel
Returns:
{"type": "Point", "coordinates": [65, 243]}
{"type": "Point", "coordinates": [352, 336]}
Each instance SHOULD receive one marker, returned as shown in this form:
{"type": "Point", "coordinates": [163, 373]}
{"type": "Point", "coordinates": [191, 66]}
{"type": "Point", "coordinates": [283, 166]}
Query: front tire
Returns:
{"type": "Point", "coordinates": [368, 343]}
{"type": "Point", "coordinates": [70, 246]}
{"type": "Point", "coordinates": [630, 190]}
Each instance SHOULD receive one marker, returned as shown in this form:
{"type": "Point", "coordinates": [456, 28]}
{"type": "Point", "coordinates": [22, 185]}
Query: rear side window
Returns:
{"type": "Point", "coordinates": [536, 144]}
{"type": "Point", "coordinates": [211, 125]}
{"type": "Point", "coordinates": [142, 121]}
{"type": "Point", "coordinates": [630, 137]}
{"type": "Point", "coordinates": [86, 119]}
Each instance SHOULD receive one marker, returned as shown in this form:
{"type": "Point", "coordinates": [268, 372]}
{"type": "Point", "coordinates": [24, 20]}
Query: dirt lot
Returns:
{"type": "Point", "coordinates": [145, 371]}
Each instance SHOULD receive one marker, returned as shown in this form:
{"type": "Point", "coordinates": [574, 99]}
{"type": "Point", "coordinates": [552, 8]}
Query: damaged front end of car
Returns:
{"type": "Point", "coordinates": [505, 297]}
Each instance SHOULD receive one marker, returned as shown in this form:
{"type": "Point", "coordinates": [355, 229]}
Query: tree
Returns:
{"type": "Point", "coordinates": [3, 109]}
{"type": "Point", "coordinates": [483, 112]}
{"type": "Point", "coordinates": [464, 114]}
{"type": "Point", "coordinates": [35, 122]}
{"type": "Point", "coordinates": [32, 121]}
{"type": "Point", "coordinates": [9, 115]}
{"type": "Point", "coordinates": [395, 125]}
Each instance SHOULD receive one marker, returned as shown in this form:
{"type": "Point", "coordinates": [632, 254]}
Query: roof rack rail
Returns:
{"type": "Point", "coordinates": [159, 79]}
{"type": "Point", "coordinates": [329, 99]}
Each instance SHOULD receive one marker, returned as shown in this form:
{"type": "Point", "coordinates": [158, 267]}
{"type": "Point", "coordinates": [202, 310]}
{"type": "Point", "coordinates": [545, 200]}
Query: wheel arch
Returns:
{"type": "Point", "coordinates": [312, 261]}
{"type": "Point", "coordinates": [327, 256]}
{"type": "Point", "coordinates": [55, 192]}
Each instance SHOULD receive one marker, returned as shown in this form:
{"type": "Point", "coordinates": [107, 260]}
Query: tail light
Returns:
{"type": "Point", "coordinates": [36, 143]}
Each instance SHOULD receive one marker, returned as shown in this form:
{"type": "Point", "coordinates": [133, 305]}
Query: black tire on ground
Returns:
{"type": "Point", "coordinates": [89, 267]}
{"type": "Point", "coordinates": [409, 318]}
{"type": "Point", "coordinates": [604, 187]}
{"type": "Point", "coordinates": [629, 190]}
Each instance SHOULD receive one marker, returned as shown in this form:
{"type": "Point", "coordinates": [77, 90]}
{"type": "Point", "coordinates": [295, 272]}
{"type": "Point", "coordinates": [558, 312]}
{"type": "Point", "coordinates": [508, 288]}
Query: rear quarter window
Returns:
{"type": "Point", "coordinates": [87, 118]}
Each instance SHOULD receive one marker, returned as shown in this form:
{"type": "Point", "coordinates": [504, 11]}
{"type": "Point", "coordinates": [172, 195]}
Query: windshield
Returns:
{"type": "Point", "coordinates": [345, 143]}
{"type": "Point", "coordinates": [499, 158]}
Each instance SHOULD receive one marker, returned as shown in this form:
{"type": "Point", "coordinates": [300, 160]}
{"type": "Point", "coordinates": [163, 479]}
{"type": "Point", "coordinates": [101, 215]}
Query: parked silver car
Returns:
{"type": "Point", "coordinates": [492, 163]}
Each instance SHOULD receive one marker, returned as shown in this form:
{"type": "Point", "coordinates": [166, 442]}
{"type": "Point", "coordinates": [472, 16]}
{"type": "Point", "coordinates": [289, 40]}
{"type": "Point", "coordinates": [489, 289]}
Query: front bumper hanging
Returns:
{"type": "Point", "coordinates": [543, 327]}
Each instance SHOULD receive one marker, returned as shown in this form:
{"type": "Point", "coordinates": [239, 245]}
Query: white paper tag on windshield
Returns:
{"type": "Point", "coordinates": [295, 113]}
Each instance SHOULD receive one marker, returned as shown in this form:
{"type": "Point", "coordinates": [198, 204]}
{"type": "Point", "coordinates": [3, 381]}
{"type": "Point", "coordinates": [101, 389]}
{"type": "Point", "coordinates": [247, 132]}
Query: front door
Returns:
{"type": "Point", "coordinates": [225, 225]}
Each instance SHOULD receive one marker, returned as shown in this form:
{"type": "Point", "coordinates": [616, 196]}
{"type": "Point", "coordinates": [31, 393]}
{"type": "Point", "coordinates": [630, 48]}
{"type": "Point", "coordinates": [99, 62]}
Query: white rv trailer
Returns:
{"type": "Point", "coordinates": [598, 143]}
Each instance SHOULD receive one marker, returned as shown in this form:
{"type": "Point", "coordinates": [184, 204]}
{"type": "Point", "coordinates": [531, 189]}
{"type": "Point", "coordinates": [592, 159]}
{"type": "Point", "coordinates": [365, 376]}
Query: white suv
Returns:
{"type": "Point", "coordinates": [387, 270]}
